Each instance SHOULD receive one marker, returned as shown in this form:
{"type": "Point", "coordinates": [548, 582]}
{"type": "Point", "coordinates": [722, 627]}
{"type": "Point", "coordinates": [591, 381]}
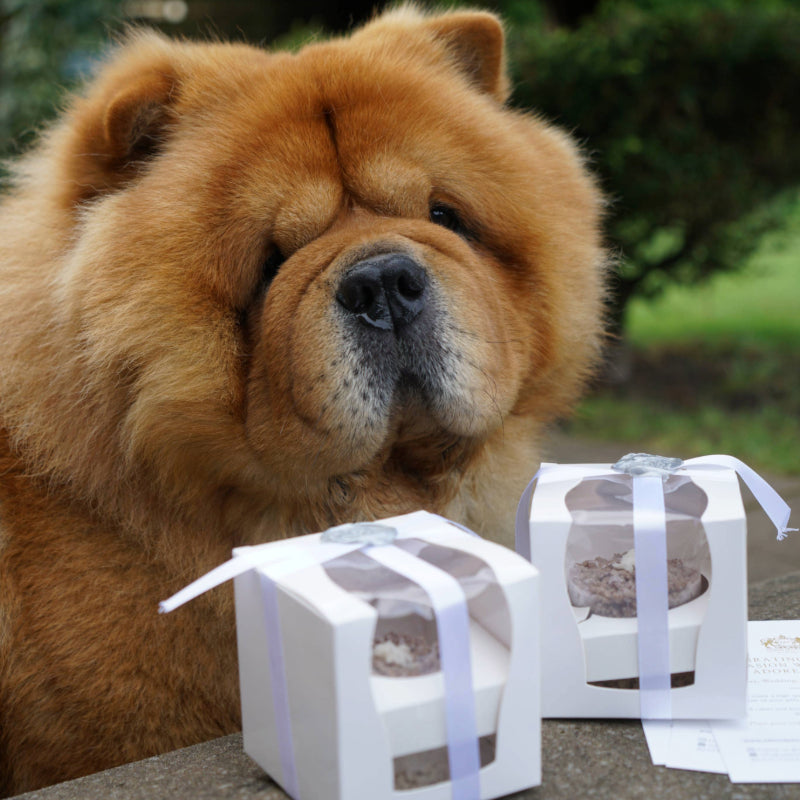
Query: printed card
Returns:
{"type": "Point", "coordinates": [765, 748]}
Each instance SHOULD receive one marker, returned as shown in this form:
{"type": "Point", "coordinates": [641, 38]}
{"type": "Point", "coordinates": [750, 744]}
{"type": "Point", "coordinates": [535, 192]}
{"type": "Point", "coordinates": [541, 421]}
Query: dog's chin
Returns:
{"type": "Point", "coordinates": [447, 409]}
{"type": "Point", "coordinates": [421, 416]}
{"type": "Point", "coordinates": [373, 426]}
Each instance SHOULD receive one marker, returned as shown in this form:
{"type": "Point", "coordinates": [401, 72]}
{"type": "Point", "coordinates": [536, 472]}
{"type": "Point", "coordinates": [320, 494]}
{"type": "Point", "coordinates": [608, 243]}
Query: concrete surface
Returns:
{"type": "Point", "coordinates": [581, 758]}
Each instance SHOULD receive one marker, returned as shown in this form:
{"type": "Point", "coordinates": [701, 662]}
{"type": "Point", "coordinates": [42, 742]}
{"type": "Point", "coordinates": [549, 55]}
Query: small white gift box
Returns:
{"type": "Point", "coordinates": [643, 585]}
{"type": "Point", "coordinates": [374, 663]}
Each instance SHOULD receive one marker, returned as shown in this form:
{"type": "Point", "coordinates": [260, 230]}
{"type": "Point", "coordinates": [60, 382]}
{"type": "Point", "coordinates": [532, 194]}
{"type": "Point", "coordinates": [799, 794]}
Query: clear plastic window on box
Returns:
{"type": "Point", "coordinates": [600, 569]}
{"type": "Point", "coordinates": [405, 651]}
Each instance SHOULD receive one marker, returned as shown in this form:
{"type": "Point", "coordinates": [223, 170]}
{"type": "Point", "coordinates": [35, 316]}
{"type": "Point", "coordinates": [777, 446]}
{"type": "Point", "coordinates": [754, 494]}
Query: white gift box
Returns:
{"type": "Point", "coordinates": [317, 713]}
{"type": "Point", "coordinates": [579, 531]}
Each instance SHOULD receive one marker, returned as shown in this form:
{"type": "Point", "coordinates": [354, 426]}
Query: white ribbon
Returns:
{"type": "Point", "coordinates": [650, 552]}
{"type": "Point", "coordinates": [652, 596]}
{"type": "Point", "coordinates": [452, 623]}
{"type": "Point", "coordinates": [452, 618]}
{"type": "Point", "coordinates": [278, 685]}
{"type": "Point", "coordinates": [772, 503]}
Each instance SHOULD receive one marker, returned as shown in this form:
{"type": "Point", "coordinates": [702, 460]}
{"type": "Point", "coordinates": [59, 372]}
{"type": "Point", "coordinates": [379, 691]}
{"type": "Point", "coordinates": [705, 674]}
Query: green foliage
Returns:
{"type": "Point", "coordinates": [757, 305]}
{"type": "Point", "coordinates": [690, 114]}
{"type": "Point", "coordinates": [714, 369]}
{"type": "Point", "coordinates": [765, 438]}
{"type": "Point", "coordinates": [693, 400]}
{"type": "Point", "coordinates": [46, 46]}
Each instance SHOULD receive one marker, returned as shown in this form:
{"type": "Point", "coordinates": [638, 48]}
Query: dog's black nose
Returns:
{"type": "Point", "coordinates": [386, 291]}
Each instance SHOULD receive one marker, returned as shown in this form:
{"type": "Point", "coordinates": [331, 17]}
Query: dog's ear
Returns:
{"type": "Point", "coordinates": [123, 120]}
{"type": "Point", "coordinates": [136, 117]}
{"type": "Point", "coordinates": [476, 42]}
{"type": "Point", "coordinates": [472, 42]}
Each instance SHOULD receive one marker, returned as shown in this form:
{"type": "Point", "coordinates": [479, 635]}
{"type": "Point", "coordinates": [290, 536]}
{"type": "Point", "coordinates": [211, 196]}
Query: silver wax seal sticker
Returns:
{"type": "Point", "coordinates": [371, 533]}
{"type": "Point", "coordinates": [646, 464]}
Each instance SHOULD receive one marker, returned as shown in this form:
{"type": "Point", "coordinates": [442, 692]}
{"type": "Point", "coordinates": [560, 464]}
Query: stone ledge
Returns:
{"type": "Point", "coordinates": [581, 758]}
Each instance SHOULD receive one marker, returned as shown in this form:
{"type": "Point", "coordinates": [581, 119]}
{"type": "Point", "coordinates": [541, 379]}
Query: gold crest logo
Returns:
{"type": "Point", "coordinates": [781, 643]}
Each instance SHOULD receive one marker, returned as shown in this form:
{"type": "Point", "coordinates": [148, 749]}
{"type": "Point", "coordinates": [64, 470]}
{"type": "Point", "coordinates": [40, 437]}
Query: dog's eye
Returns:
{"type": "Point", "coordinates": [272, 263]}
{"type": "Point", "coordinates": [447, 217]}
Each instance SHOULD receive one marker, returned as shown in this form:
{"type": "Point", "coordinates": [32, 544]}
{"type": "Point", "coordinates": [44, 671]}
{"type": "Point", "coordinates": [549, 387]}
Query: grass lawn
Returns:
{"type": "Point", "coordinates": [759, 304]}
{"type": "Point", "coordinates": [715, 368]}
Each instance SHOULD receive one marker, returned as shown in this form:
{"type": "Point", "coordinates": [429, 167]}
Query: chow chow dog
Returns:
{"type": "Point", "coordinates": [249, 294]}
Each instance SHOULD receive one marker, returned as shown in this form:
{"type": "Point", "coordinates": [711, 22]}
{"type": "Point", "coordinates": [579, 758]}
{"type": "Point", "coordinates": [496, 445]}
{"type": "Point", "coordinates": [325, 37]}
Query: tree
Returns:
{"type": "Point", "coordinates": [45, 46]}
{"type": "Point", "coordinates": [690, 117]}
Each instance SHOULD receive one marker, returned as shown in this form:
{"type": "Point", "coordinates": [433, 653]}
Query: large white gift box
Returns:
{"type": "Point", "coordinates": [643, 585]}
{"type": "Point", "coordinates": [396, 659]}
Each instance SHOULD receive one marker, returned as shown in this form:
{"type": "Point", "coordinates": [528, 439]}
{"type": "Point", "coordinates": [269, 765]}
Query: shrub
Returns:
{"type": "Point", "coordinates": [45, 46]}
{"type": "Point", "coordinates": [690, 114]}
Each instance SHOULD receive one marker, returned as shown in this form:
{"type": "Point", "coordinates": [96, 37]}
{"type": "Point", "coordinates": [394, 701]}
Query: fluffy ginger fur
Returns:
{"type": "Point", "coordinates": [159, 404]}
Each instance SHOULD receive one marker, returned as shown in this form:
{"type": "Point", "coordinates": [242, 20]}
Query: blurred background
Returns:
{"type": "Point", "coordinates": [689, 113]}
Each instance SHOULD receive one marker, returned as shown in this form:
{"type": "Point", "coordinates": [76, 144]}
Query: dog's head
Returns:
{"type": "Point", "coordinates": [332, 281]}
